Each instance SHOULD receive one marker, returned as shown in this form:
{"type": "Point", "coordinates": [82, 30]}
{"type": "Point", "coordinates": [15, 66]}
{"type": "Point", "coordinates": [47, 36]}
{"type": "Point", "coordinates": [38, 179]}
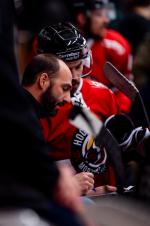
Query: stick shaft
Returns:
{"type": "Point", "coordinates": [144, 111]}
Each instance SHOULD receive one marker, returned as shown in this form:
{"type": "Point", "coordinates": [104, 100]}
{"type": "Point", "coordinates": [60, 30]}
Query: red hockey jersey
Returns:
{"type": "Point", "coordinates": [115, 49]}
{"type": "Point", "coordinates": [76, 145]}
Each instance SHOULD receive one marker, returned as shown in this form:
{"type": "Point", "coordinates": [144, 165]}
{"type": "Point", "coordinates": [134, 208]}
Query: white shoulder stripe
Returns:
{"type": "Point", "coordinates": [112, 44]}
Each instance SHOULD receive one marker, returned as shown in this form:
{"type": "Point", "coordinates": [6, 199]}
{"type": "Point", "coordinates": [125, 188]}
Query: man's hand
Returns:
{"type": "Point", "coordinates": [67, 192]}
{"type": "Point", "coordinates": [102, 190]}
{"type": "Point", "coordinates": [85, 181]}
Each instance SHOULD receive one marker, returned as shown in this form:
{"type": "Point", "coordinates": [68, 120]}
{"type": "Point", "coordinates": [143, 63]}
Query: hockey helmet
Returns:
{"type": "Point", "coordinates": [65, 41]}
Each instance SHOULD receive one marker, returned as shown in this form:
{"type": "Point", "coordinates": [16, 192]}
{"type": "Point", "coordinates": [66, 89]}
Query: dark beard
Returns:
{"type": "Point", "coordinates": [89, 33]}
{"type": "Point", "coordinates": [48, 103]}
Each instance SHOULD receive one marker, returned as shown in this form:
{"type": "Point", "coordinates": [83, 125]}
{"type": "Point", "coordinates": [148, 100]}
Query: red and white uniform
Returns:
{"type": "Point", "coordinates": [76, 145]}
{"type": "Point", "coordinates": [115, 49]}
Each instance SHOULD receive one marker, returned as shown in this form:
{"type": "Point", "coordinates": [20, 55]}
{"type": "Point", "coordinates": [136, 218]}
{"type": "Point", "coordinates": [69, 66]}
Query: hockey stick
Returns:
{"type": "Point", "coordinates": [125, 86]}
{"type": "Point", "coordinates": [85, 120]}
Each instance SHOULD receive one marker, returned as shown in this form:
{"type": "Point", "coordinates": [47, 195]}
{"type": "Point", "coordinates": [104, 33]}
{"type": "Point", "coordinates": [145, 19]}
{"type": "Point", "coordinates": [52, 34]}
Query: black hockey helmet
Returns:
{"type": "Point", "coordinates": [65, 41]}
{"type": "Point", "coordinates": [97, 4]}
{"type": "Point", "coordinates": [87, 6]}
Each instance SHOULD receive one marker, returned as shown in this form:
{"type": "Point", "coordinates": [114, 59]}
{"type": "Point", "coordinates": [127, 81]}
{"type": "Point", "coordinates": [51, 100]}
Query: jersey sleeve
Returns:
{"type": "Point", "coordinates": [118, 52]}
{"type": "Point", "coordinates": [105, 100]}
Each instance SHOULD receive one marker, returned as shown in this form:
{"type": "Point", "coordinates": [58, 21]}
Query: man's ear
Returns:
{"type": "Point", "coordinates": [44, 81]}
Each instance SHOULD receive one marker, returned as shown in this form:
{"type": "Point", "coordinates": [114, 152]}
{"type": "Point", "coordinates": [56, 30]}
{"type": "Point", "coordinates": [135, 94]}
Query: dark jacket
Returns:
{"type": "Point", "coordinates": [27, 175]}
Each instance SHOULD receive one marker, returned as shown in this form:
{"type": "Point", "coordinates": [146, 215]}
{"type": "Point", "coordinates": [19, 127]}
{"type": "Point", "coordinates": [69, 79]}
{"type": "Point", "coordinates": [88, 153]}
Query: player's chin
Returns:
{"type": "Point", "coordinates": [102, 32]}
{"type": "Point", "coordinates": [74, 89]}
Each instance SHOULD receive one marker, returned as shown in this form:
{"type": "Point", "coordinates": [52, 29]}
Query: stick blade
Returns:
{"type": "Point", "coordinates": [120, 81]}
{"type": "Point", "coordinates": [85, 120]}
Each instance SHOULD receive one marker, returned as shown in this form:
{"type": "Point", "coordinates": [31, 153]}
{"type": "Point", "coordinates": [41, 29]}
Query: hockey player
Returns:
{"type": "Point", "coordinates": [92, 19]}
{"type": "Point", "coordinates": [65, 41]}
